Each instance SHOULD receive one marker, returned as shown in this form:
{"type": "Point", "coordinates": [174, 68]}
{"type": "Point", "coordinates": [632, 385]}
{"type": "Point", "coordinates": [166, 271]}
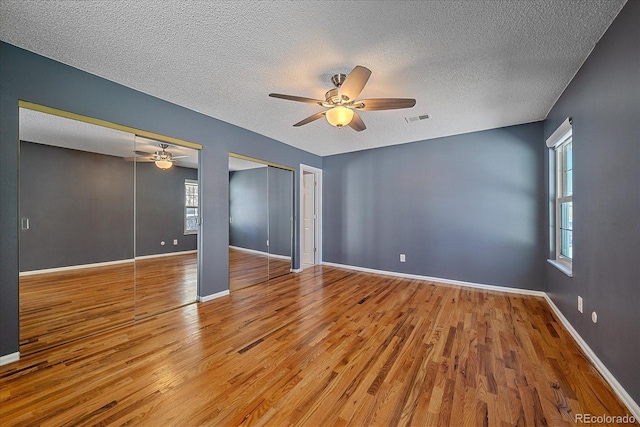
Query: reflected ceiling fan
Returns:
{"type": "Point", "coordinates": [163, 158]}
{"type": "Point", "coordinates": [341, 102]}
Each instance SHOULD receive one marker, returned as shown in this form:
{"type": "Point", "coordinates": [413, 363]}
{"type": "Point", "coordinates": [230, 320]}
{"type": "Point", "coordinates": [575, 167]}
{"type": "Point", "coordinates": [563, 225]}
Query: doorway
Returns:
{"type": "Point", "coordinates": [311, 216]}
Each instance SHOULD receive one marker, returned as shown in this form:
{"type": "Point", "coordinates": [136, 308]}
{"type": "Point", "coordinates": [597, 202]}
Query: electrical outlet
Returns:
{"type": "Point", "coordinates": [579, 303]}
{"type": "Point", "coordinates": [402, 258]}
{"type": "Point", "coordinates": [175, 242]}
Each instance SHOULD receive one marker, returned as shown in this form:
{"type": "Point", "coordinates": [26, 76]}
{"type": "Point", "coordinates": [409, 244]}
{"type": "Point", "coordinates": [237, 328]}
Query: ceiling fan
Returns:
{"type": "Point", "coordinates": [163, 158]}
{"type": "Point", "coordinates": [341, 102]}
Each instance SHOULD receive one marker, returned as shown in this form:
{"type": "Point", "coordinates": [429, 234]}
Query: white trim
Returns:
{"type": "Point", "coordinates": [75, 267]}
{"type": "Point", "coordinates": [296, 270]}
{"type": "Point", "coordinates": [9, 358]}
{"type": "Point", "coordinates": [608, 376]}
{"type": "Point", "coordinates": [318, 255]}
{"type": "Point", "coordinates": [253, 251]}
{"type": "Point", "coordinates": [440, 280]}
{"type": "Point", "coordinates": [276, 256]}
{"type": "Point", "coordinates": [565, 268]}
{"type": "Point", "coordinates": [167, 254]}
{"type": "Point", "coordinates": [559, 134]}
{"type": "Point", "coordinates": [212, 296]}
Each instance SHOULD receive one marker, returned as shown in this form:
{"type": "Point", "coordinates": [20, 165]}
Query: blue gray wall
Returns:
{"type": "Point", "coordinates": [30, 77]}
{"type": "Point", "coordinates": [248, 209]}
{"type": "Point", "coordinates": [260, 204]}
{"type": "Point", "coordinates": [467, 207]}
{"type": "Point", "coordinates": [160, 202]}
{"type": "Point", "coordinates": [79, 205]}
{"type": "Point", "coordinates": [604, 101]}
{"type": "Point", "coordinates": [280, 211]}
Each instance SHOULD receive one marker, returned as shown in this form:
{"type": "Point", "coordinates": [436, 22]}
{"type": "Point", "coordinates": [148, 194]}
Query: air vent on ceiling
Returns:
{"type": "Point", "coordinates": [417, 118]}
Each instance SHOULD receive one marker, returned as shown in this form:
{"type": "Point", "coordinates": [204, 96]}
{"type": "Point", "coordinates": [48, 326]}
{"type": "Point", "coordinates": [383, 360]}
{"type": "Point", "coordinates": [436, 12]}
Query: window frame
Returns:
{"type": "Point", "coordinates": [187, 183]}
{"type": "Point", "coordinates": [558, 142]}
{"type": "Point", "coordinates": [563, 196]}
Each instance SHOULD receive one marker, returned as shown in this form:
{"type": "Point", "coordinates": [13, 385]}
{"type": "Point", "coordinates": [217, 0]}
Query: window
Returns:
{"type": "Point", "coordinates": [562, 143]}
{"type": "Point", "coordinates": [564, 201]}
{"type": "Point", "coordinates": [191, 214]}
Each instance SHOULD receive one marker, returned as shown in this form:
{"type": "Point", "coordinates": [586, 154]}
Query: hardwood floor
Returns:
{"type": "Point", "coordinates": [324, 347]}
{"type": "Point", "coordinates": [248, 268]}
{"type": "Point", "coordinates": [165, 283]}
{"type": "Point", "coordinates": [63, 306]}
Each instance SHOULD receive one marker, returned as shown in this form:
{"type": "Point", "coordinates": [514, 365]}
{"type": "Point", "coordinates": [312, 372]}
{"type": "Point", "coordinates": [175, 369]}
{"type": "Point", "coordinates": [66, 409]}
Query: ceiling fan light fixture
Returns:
{"type": "Point", "coordinates": [163, 164]}
{"type": "Point", "coordinates": [339, 116]}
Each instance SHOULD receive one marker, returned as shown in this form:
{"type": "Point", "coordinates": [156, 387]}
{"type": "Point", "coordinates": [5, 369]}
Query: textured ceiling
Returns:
{"type": "Point", "coordinates": [471, 65]}
{"type": "Point", "coordinates": [58, 131]}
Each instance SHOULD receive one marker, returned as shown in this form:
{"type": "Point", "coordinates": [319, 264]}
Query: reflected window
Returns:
{"type": "Point", "coordinates": [191, 206]}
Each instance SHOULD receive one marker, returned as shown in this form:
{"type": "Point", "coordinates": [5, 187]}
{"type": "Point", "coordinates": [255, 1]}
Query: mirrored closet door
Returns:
{"type": "Point", "coordinates": [93, 219]}
{"type": "Point", "coordinates": [260, 222]}
{"type": "Point", "coordinates": [166, 214]}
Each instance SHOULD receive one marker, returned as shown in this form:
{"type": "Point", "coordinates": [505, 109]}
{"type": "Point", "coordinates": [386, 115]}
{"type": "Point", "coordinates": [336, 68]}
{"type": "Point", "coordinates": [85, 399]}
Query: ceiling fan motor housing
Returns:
{"type": "Point", "coordinates": [338, 79]}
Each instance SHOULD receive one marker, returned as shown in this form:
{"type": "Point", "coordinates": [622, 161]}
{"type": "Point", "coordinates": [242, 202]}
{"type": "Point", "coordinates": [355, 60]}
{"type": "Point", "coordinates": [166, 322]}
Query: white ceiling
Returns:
{"type": "Point", "coordinates": [471, 65]}
{"type": "Point", "coordinates": [48, 129]}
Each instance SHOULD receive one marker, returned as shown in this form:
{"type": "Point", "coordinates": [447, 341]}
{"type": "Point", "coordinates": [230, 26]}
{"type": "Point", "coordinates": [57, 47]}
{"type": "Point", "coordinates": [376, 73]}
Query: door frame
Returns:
{"type": "Point", "coordinates": [318, 212]}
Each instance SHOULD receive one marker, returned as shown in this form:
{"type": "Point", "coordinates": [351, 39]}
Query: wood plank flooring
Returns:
{"type": "Point", "coordinates": [248, 269]}
{"type": "Point", "coordinates": [63, 306]}
{"type": "Point", "coordinates": [321, 348]}
{"type": "Point", "coordinates": [165, 283]}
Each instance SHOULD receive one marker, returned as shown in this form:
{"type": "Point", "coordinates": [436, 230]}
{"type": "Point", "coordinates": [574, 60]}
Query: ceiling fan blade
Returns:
{"type": "Point", "coordinates": [138, 159]}
{"type": "Point", "coordinates": [354, 83]}
{"type": "Point", "coordinates": [143, 153]}
{"type": "Point", "coordinates": [310, 119]}
{"type": "Point", "coordinates": [179, 157]}
{"type": "Point", "coordinates": [384, 104]}
{"type": "Point", "coordinates": [356, 123]}
{"type": "Point", "coordinates": [296, 98]}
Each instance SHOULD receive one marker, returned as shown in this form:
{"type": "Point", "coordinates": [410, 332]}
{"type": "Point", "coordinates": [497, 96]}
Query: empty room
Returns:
{"type": "Point", "coordinates": [320, 213]}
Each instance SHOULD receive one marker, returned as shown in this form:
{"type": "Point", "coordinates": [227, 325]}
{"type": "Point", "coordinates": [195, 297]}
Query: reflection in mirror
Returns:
{"type": "Point", "coordinates": [248, 223]}
{"type": "Point", "coordinates": [76, 238]}
{"type": "Point", "coordinates": [167, 196]}
{"type": "Point", "coordinates": [260, 222]}
{"type": "Point", "coordinates": [280, 205]}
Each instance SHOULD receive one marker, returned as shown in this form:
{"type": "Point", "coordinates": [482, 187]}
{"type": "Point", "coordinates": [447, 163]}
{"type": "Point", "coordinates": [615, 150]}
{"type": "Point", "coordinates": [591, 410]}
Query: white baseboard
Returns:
{"type": "Point", "coordinates": [440, 280]}
{"type": "Point", "coordinates": [213, 296]}
{"type": "Point", "coordinates": [631, 404]}
{"type": "Point", "coordinates": [9, 358]}
{"type": "Point", "coordinates": [167, 254]}
{"type": "Point", "coordinates": [249, 251]}
{"type": "Point", "coordinates": [75, 267]}
{"type": "Point", "coordinates": [296, 270]}
{"type": "Point", "coordinates": [254, 251]}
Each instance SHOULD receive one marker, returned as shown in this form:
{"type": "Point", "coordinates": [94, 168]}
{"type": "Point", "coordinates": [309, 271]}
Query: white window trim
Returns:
{"type": "Point", "coordinates": [189, 232]}
{"type": "Point", "coordinates": [556, 140]}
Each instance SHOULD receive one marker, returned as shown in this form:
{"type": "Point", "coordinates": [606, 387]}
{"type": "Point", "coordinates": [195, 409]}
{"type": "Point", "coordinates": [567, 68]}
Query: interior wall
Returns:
{"type": "Point", "coordinates": [79, 205]}
{"type": "Point", "coordinates": [260, 203]}
{"type": "Point", "coordinates": [248, 209]}
{"type": "Point", "coordinates": [467, 207]}
{"type": "Point", "coordinates": [280, 202]}
{"type": "Point", "coordinates": [604, 101]}
{"type": "Point", "coordinates": [34, 78]}
{"type": "Point", "coordinates": [160, 200]}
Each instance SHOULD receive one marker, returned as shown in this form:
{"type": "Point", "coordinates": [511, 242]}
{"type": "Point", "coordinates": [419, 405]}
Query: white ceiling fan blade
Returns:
{"type": "Point", "coordinates": [356, 123]}
{"type": "Point", "coordinates": [296, 98]}
{"type": "Point", "coordinates": [354, 83]}
{"type": "Point", "coordinates": [310, 119]}
{"type": "Point", "coordinates": [378, 104]}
